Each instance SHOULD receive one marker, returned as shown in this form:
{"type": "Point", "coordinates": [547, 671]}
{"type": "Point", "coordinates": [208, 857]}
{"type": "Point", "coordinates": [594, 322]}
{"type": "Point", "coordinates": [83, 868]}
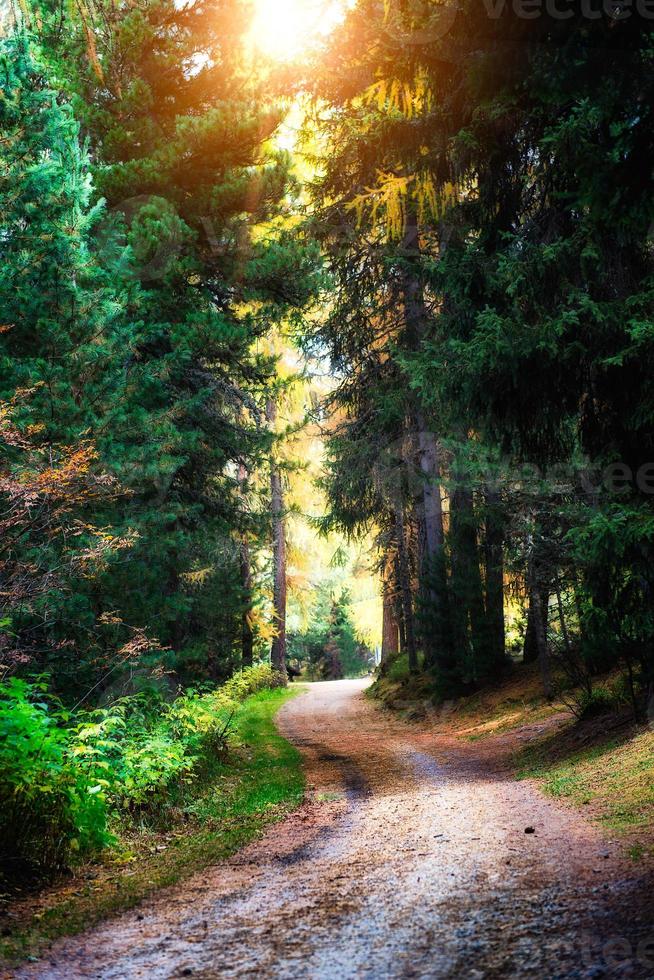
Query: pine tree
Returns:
{"type": "Point", "coordinates": [60, 314]}
{"type": "Point", "coordinates": [179, 134]}
{"type": "Point", "coordinates": [60, 348]}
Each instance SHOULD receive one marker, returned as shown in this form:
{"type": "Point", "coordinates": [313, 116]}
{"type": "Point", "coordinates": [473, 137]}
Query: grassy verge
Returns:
{"type": "Point", "coordinates": [257, 782]}
{"type": "Point", "coordinates": [413, 695]}
{"type": "Point", "coordinates": [612, 775]}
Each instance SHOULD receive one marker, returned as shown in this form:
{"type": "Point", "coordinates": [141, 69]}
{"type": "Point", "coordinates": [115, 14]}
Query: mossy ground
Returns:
{"type": "Point", "coordinates": [260, 780]}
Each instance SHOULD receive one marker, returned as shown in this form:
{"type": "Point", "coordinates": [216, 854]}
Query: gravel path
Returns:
{"type": "Point", "coordinates": [409, 859]}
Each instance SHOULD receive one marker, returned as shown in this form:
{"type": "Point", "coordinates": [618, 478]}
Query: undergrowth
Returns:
{"type": "Point", "coordinates": [235, 796]}
{"type": "Point", "coordinates": [66, 778]}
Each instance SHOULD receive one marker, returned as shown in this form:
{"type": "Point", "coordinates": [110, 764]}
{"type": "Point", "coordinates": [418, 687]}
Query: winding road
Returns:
{"type": "Point", "coordinates": [410, 858]}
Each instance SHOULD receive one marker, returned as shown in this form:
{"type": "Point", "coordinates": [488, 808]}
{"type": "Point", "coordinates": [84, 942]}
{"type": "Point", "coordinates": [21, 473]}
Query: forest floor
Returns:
{"type": "Point", "coordinates": [415, 854]}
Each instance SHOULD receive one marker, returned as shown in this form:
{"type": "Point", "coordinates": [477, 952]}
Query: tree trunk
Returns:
{"type": "Point", "coordinates": [437, 641]}
{"type": "Point", "coordinates": [405, 588]}
{"type": "Point", "coordinates": [278, 649]}
{"type": "Point", "coordinates": [466, 584]}
{"type": "Point", "coordinates": [540, 629]}
{"type": "Point", "coordinates": [564, 628]}
{"type": "Point", "coordinates": [247, 636]}
{"type": "Point", "coordinates": [530, 647]}
{"type": "Point", "coordinates": [433, 581]}
{"type": "Point", "coordinates": [430, 467]}
{"type": "Point", "coordinates": [399, 608]}
{"type": "Point", "coordinates": [494, 555]}
{"type": "Point", "coordinates": [530, 653]}
{"type": "Point", "coordinates": [390, 626]}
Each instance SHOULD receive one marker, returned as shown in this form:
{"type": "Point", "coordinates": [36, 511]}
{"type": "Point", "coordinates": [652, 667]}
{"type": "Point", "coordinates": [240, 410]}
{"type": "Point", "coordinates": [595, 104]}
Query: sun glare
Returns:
{"type": "Point", "coordinates": [284, 29]}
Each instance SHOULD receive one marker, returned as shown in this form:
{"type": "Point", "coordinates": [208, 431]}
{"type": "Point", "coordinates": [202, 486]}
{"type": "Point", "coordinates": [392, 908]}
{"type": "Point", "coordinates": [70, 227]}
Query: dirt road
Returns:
{"type": "Point", "coordinates": [409, 859]}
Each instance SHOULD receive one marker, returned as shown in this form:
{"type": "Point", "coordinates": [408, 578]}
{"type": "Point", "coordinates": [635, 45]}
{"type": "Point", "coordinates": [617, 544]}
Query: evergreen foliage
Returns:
{"type": "Point", "coordinates": [330, 649]}
{"type": "Point", "coordinates": [497, 172]}
{"type": "Point", "coordinates": [136, 324]}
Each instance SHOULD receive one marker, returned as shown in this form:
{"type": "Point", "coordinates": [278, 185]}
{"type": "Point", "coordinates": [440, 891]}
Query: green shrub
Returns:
{"type": "Point", "coordinates": [63, 778]}
{"type": "Point", "coordinates": [398, 669]}
{"type": "Point", "coordinates": [599, 701]}
{"type": "Point", "coordinates": [50, 805]}
{"type": "Point", "coordinates": [134, 753]}
{"type": "Point", "coordinates": [249, 681]}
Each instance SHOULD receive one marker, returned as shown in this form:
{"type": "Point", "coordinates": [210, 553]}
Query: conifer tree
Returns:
{"type": "Point", "coordinates": [179, 136]}
{"type": "Point", "coordinates": [533, 182]}
{"type": "Point", "coordinates": [61, 346]}
{"type": "Point", "coordinates": [60, 329]}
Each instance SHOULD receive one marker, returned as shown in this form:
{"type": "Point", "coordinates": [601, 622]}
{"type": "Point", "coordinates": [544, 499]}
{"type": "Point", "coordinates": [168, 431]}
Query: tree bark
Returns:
{"type": "Point", "coordinates": [278, 649]}
{"type": "Point", "coordinates": [530, 653]}
{"type": "Point", "coordinates": [564, 628]}
{"type": "Point", "coordinates": [540, 629]}
{"type": "Point", "coordinates": [494, 555]}
{"type": "Point", "coordinates": [433, 582]}
{"type": "Point", "coordinates": [430, 467]}
{"type": "Point", "coordinates": [399, 608]}
{"type": "Point", "coordinates": [390, 626]}
{"type": "Point", "coordinates": [405, 588]}
{"type": "Point", "coordinates": [466, 585]}
{"type": "Point", "coordinates": [247, 636]}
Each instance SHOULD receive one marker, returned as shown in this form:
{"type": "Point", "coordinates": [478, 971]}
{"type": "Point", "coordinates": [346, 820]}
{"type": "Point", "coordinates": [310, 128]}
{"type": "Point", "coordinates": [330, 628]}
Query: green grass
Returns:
{"type": "Point", "coordinates": [616, 778]}
{"type": "Point", "coordinates": [260, 780]}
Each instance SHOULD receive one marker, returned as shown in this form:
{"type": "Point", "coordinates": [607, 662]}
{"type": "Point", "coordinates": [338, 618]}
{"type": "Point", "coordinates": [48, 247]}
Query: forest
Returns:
{"type": "Point", "coordinates": [324, 339]}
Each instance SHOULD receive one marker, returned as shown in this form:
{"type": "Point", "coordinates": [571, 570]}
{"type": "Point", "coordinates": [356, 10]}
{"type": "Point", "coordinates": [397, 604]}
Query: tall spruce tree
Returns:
{"type": "Point", "coordinates": [61, 347]}
{"type": "Point", "coordinates": [376, 210]}
{"type": "Point", "coordinates": [179, 133]}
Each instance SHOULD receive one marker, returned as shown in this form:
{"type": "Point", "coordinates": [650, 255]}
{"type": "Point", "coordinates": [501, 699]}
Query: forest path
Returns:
{"type": "Point", "coordinates": [409, 859]}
